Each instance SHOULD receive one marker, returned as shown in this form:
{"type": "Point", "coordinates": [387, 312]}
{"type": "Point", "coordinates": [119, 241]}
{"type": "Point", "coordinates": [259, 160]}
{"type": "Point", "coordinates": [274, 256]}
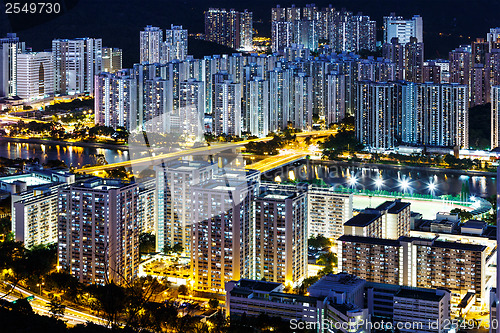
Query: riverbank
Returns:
{"type": "Point", "coordinates": [470, 173]}
{"type": "Point", "coordinates": [66, 143]}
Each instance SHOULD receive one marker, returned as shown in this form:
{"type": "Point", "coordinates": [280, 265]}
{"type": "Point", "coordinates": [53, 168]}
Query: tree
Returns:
{"type": "Point", "coordinates": [213, 303]}
{"type": "Point", "coordinates": [147, 242]}
{"type": "Point", "coordinates": [183, 290]}
{"type": "Point", "coordinates": [344, 140]}
{"type": "Point", "coordinates": [167, 249]}
{"type": "Point", "coordinates": [491, 218]}
{"type": "Point", "coordinates": [56, 308]}
{"type": "Point", "coordinates": [177, 248]}
{"type": "Point", "coordinates": [319, 242]}
{"type": "Point", "coordinates": [111, 299]}
{"type": "Point", "coordinates": [118, 173]}
{"type": "Point", "coordinates": [463, 214]}
{"type": "Point", "coordinates": [139, 293]}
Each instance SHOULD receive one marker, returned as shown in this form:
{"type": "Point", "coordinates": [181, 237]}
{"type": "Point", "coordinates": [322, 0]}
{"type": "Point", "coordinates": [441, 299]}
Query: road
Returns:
{"type": "Point", "coordinates": [41, 306]}
{"type": "Point", "coordinates": [275, 162]}
{"type": "Point", "coordinates": [26, 120]}
{"type": "Point", "coordinates": [212, 149]}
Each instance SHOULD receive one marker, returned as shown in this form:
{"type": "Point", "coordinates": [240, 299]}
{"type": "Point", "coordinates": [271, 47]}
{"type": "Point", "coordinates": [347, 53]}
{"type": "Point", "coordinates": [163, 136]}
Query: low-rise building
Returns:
{"type": "Point", "coordinates": [252, 298]}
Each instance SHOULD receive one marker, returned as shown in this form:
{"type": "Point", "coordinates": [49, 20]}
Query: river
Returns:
{"type": "Point", "coordinates": [373, 177]}
{"type": "Point", "coordinates": [390, 178]}
{"type": "Point", "coordinates": [72, 155]}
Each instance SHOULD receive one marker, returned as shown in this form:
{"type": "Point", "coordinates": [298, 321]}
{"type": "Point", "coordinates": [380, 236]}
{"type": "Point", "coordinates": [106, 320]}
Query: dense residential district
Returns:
{"type": "Point", "coordinates": [321, 180]}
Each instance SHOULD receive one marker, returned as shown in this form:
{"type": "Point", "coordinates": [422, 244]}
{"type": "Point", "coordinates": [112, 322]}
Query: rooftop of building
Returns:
{"type": "Point", "coordinates": [97, 183]}
{"type": "Point", "coordinates": [257, 285]}
{"type": "Point", "coordinates": [369, 240]}
{"type": "Point", "coordinates": [220, 184]}
{"type": "Point", "coordinates": [443, 244]}
{"type": "Point", "coordinates": [277, 195]}
{"type": "Point", "coordinates": [38, 176]}
{"type": "Point", "coordinates": [344, 307]}
{"type": "Point", "coordinates": [187, 166]}
{"type": "Point", "coordinates": [292, 297]}
{"type": "Point", "coordinates": [421, 294]}
{"type": "Point", "coordinates": [475, 224]}
{"type": "Point", "coordinates": [393, 207]}
{"type": "Point", "coordinates": [363, 219]}
{"type": "Point", "coordinates": [31, 179]}
{"type": "Point", "coordinates": [341, 282]}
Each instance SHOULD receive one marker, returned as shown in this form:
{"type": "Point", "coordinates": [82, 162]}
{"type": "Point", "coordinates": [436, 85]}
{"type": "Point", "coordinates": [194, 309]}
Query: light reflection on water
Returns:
{"type": "Point", "coordinates": [385, 177]}
{"type": "Point", "coordinates": [71, 155]}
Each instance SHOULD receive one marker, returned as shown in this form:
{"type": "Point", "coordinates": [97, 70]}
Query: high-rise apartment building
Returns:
{"type": "Point", "coordinates": [151, 39]}
{"type": "Point", "coordinates": [403, 30]}
{"type": "Point", "coordinates": [192, 108]}
{"type": "Point", "coordinates": [174, 194]}
{"type": "Point", "coordinates": [175, 46]}
{"type": "Point", "coordinates": [34, 204]}
{"type": "Point", "coordinates": [427, 113]}
{"type": "Point", "coordinates": [335, 97]}
{"type": "Point", "coordinates": [223, 218]}
{"type": "Point", "coordinates": [227, 108]}
{"type": "Point", "coordinates": [229, 27]}
{"type": "Point", "coordinates": [414, 58]}
{"type": "Point", "coordinates": [327, 212]}
{"type": "Point", "coordinates": [416, 262]}
{"type": "Point", "coordinates": [76, 61]}
{"type": "Point", "coordinates": [98, 239]}
{"type": "Point", "coordinates": [282, 35]}
{"type": "Point", "coordinates": [495, 117]}
{"type": "Point", "coordinates": [377, 114]}
{"type": "Point", "coordinates": [35, 75]}
{"type": "Point", "coordinates": [301, 114]}
{"type": "Point", "coordinates": [10, 47]}
{"type": "Point", "coordinates": [259, 107]}
{"type": "Point", "coordinates": [460, 62]}
{"type": "Point", "coordinates": [444, 114]}
{"type": "Point", "coordinates": [280, 88]}
{"type": "Point", "coordinates": [115, 100]}
{"type": "Point", "coordinates": [281, 237]}
{"type": "Point", "coordinates": [111, 59]}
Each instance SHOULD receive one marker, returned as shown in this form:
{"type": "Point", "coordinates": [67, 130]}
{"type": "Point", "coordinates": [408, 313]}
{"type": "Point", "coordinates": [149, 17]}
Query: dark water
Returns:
{"type": "Point", "coordinates": [390, 178]}
{"type": "Point", "coordinates": [71, 155]}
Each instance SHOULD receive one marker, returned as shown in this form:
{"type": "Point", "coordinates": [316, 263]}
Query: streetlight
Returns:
{"type": "Point", "coordinates": [352, 181]}
{"type": "Point", "coordinates": [40, 285]}
{"type": "Point", "coordinates": [404, 184]}
{"type": "Point", "coordinates": [379, 182]}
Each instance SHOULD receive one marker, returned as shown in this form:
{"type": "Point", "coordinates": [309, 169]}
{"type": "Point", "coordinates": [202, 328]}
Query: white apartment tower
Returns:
{"type": "Point", "coordinates": [175, 46]}
{"type": "Point", "coordinates": [227, 108]}
{"type": "Point", "coordinates": [192, 107]}
{"type": "Point", "coordinates": [10, 48]}
{"type": "Point", "coordinates": [403, 30]}
{"type": "Point", "coordinates": [151, 39]}
{"type": "Point", "coordinates": [328, 211]}
{"type": "Point", "coordinates": [495, 117]}
{"type": "Point", "coordinates": [259, 107]}
{"type": "Point", "coordinates": [76, 61]}
{"type": "Point", "coordinates": [115, 100]}
{"type": "Point", "coordinates": [35, 75]}
{"type": "Point", "coordinates": [175, 208]}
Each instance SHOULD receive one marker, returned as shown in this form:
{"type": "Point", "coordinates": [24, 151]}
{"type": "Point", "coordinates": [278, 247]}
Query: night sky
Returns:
{"type": "Point", "coordinates": [118, 22]}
